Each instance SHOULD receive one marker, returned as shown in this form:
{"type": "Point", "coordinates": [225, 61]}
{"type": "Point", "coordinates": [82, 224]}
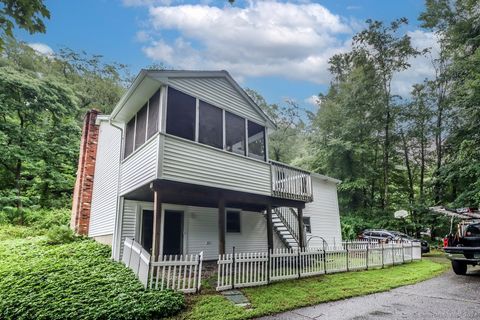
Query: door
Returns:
{"type": "Point", "coordinates": [147, 230]}
{"type": "Point", "coordinates": [173, 232]}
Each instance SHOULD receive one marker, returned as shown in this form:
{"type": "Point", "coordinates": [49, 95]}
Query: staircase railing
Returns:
{"type": "Point", "coordinates": [291, 183]}
{"type": "Point", "coordinates": [289, 218]}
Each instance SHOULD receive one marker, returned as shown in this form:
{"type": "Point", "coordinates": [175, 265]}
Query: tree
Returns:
{"type": "Point", "coordinates": [26, 15]}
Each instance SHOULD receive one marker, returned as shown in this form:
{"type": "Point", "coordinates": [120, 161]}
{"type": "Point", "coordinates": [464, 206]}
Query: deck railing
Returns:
{"type": "Point", "coordinates": [291, 183]}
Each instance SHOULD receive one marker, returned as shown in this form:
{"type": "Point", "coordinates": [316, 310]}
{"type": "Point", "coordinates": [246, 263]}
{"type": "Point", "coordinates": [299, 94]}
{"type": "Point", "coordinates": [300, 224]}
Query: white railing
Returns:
{"type": "Point", "coordinates": [137, 259]}
{"type": "Point", "coordinates": [289, 218]}
{"type": "Point", "coordinates": [291, 183]}
{"type": "Point", "coordinates": [253, 269]}
{"type": "Point", "coordinates": [178, 272]}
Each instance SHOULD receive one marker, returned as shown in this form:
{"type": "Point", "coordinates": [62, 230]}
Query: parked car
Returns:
{"type": "Point", "coordinates": [463, 248]}
{"type": "Point", "coordinates": [424, 244]}
{"type": "Point", "coordinates": [378, 235]}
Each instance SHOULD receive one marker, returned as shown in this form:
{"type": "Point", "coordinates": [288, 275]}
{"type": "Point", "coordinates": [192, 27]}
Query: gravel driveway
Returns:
{"type": "Point", "coordinates": [445, 297]}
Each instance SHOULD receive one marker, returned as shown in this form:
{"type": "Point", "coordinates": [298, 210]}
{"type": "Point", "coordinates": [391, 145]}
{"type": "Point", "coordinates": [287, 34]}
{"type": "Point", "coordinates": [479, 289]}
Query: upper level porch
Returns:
{"type": "Point", "coordinates": [167, 157]}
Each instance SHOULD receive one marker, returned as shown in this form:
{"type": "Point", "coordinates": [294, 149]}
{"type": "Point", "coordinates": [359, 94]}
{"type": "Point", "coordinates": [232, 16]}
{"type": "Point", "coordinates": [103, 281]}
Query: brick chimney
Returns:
{"type": "Point", "coordinates": [82, 194]}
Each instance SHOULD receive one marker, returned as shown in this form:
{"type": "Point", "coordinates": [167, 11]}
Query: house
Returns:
{"type": "Point", "coordinates": [181, 165]}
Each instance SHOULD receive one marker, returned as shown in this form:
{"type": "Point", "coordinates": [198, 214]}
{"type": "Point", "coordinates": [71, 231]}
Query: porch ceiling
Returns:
{"type": "Point", "coordinates": [202, 196]}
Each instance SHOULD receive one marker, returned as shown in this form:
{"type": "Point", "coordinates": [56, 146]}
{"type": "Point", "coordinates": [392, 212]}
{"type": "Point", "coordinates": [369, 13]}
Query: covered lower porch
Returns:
{"type": "Point", "coordinates": [172, 218]}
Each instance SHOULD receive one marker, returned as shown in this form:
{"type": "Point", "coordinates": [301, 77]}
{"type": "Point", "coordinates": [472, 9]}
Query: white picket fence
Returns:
{"type": "Point", "coordinates": [237, 270]}
{"type": "Point", "coordinates": [177, 272]}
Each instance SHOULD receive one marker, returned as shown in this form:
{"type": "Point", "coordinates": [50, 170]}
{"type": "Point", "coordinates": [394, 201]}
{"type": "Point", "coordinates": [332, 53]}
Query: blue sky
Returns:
{"type": "Point", "coordinates": [279, 49]}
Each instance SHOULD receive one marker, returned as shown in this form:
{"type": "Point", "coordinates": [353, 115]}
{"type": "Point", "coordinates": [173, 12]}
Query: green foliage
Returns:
{"type": "Point", "coordinates": [25, 14]}
{"type": "Point", "coordinates": [287, 295]}
{"type": "Point", "coordinates": [42, 103]}
{"type": "Point", "coordinates": [74, 281]}
{"type": "Point", "coordinates": [60, 235]}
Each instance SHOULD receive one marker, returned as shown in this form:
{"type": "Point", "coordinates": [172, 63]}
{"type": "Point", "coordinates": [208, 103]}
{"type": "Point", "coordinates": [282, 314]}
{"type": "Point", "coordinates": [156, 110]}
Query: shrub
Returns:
{"type": "Point", "coordinates": [77, 280]}
{"type": "Point", "coordinates": [60, 235]}
{"type": "Point", "coordinates": [44, 219]}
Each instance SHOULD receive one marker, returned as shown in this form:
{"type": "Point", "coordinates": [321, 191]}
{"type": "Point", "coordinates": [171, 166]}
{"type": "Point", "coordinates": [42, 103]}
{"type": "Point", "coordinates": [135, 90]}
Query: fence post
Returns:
{"type": "Point", "coordinates": [232, 275]}
{"type": "Point", "coordinates": [199, 283]}
{"type": "Point", "coordinates": [299, 263]}
{"type": "Point", "coordinates": [346, 248]}
{"type": "Point", "coordinates": [393, 253]}
{"type": "Point", "coordinates": [269, 265]}
{"type": "Point", "coordinates": [324, 258]}
{"type": "Point", "coordinates": [383, 261]}
{"type": "Point", "coordinates": [403, 253]}
{"type": "Point", "coordinates": [366, 262]}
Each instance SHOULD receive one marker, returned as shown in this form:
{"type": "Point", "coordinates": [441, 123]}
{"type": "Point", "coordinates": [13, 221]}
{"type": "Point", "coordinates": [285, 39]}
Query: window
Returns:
{"type": "Point", "coordinates": [210, 127]}
{"type": "Point", "coordinates": [256, 141]}
{"type": "Point", "coordinates": [233, 221]}
{"type": "Point", "coordinates": [181, 109]}
{"type": "Point", "coordinates": [141, 126]}
{"type": "Point", "coordinates": [306, 223]}
{"type": "Point", "coordinates": [153, 112]}
{"type": "Point", "coordinates": [234, 133]}
{"type": "Point", "coordinates": [129, 135]}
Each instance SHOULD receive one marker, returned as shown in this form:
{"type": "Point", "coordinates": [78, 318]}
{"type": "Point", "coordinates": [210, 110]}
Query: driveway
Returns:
{"type": "Point", "coordinates": [445, 297]}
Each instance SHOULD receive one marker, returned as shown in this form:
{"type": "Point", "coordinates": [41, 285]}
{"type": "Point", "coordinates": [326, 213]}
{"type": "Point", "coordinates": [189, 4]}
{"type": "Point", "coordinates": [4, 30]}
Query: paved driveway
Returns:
{"type": "Point", "coordinates": [445, 297]}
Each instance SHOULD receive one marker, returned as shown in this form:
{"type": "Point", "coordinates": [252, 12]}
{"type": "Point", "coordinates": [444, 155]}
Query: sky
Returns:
{"type": "Point", "coordinates": [278, 48]}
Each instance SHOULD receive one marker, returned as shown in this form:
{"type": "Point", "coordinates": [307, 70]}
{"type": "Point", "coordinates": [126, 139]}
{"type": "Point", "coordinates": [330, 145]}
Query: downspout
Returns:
{"type": "Point", "coordinates": [118, 215]}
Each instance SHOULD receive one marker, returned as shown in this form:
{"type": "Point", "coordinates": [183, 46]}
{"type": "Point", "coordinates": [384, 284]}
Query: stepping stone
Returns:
{"type": "Point", "coordinates": [237, 298]}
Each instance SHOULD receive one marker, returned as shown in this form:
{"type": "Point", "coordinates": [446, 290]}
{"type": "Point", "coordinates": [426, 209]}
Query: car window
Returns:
{"type": "Point", "coordinates": [473, 230]}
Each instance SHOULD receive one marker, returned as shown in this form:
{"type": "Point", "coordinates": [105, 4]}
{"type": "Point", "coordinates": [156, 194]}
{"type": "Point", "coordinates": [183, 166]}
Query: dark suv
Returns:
{"type": "Point", "coordinates": [424, 244]}
{"type": "Point", "coordinates": [463, 248]}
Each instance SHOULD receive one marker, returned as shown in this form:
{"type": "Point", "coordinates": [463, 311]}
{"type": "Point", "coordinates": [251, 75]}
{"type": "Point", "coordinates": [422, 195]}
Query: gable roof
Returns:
{"type": "Point", "coordinates": [147, 82]}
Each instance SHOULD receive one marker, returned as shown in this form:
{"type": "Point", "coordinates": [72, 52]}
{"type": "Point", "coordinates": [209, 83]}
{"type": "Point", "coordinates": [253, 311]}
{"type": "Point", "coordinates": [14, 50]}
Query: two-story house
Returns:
{"type": "Point", "coordinates": [181, 165]}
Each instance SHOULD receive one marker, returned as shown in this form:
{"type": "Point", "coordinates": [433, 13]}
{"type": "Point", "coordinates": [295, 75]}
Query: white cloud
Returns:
{"type": "Point", "coordinates": [41, 48]}
{"type": "Point", "coordinates": [313, 100]}
{"type": "Point", "coordinates": [266, 38]}
{"type": "Point", "coordinates": [421, 66]}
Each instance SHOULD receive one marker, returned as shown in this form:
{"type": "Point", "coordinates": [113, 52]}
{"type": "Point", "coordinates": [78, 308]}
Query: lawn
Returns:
{"type": "Point", "coordinates": [75, 280]}
{"type": "Point", "coordinates": [287, 295]}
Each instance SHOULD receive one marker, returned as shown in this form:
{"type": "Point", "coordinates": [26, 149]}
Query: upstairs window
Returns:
{"type": "Point", "coordinates": [141, 126]}
{"type": "Point", "coordinates": [181, 110]}
{"type": "Point", "coordinates": [233, 221]}
{"type": "Point", "coordinates": [234, 133]}
{"type": "Point", "coordinates": [153, 113]}
{"type": "Point", "coordinates": [256, 141]}
{"type": "Point", "coordinates": [129, 136]}
{"type": "Point", "coordinates": [210, 125]}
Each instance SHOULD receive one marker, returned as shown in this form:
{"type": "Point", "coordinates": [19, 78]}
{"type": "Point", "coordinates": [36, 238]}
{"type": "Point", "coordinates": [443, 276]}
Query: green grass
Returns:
{"type": "Point", "coordinates": [76, 280]}
{"type": "Point", "coordinates": [287, 295]}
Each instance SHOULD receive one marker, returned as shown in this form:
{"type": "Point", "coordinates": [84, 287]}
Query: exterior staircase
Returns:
{"type": "Point", "coordinates": [285, 224]}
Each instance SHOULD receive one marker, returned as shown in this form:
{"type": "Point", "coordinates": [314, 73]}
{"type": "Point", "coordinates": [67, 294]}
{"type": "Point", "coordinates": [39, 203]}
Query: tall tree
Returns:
{"type": "Point", "coordinates": [26, 15]}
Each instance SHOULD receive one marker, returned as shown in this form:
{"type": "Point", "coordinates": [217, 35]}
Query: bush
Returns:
{"type": "Point", "coordinates": [44, 219]}
{"type": "Point", "coordinates": [60, 235]}
{"type": "Point", "coordinates": [8, 232]}
{"type": "Point", "coordinates": [74, 281]}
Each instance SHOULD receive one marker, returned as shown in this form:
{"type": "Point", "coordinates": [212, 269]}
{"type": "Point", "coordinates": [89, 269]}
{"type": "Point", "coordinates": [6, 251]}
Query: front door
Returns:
{"type": "Point", "coordinates": [147, 230]}
{"type": "Point", "coordinates": [173, 232]}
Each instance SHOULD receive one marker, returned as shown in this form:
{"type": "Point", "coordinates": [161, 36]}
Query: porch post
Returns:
{"type": "Point", "coordinates": [157, 218]}
{"type": "Point", "coordinates": [269, 227]}
{"type": "Point", "coordinates": [301, 228]}
{"type": "Point", "coordinates": [221, 226]}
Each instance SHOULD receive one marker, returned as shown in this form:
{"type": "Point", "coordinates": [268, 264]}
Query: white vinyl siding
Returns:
{"type": "Point", "coordinates": [218, 92]}
{"type": "Point", "coordinates": [140, 167]}
{"type": "Point", "coordinates": [104, 197]}
{"type": "Point", "coordinates": [190, 162]}
{"type": "Point", "coordinates": [324, 214]}
{"type": "Point", "coordinates": [201, 229]}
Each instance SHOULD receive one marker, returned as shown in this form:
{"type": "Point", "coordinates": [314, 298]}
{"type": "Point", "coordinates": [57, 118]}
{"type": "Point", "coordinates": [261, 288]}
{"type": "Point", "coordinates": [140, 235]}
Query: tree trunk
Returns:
{"type": "Point", "coordinates": [18, 176]}
{"type": "Point", "coordinates": [411, 194]}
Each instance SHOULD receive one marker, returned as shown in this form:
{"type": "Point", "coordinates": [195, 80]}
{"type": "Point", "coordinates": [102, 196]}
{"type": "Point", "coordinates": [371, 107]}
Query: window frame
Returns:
{"type": "Point", "coordinates": [239, 213]}
{"type": "Point", "coordinates": [309, 224]}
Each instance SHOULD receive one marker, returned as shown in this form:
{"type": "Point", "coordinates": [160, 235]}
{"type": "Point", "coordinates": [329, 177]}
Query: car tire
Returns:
{"type": "Point", "coordinates": [459, 267]}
